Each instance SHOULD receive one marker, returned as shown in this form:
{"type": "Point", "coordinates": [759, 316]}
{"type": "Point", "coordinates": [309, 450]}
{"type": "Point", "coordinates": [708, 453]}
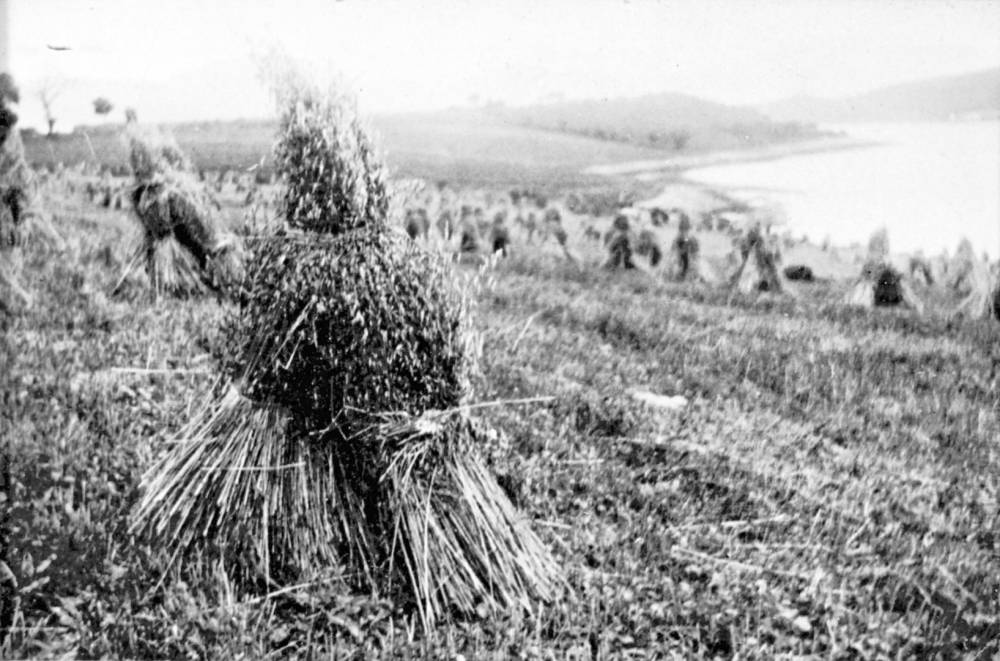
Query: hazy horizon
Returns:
{"type": "Point", "coordinates": [187, 61]}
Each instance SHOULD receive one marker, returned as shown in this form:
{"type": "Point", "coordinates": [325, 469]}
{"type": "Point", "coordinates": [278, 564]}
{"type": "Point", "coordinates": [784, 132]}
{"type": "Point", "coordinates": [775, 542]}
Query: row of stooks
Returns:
{"type": "Point", "coordinates": [294, 471]}
{"type": "Point", "coordinates": [195, 257]}
{"type": "Point", "coordinates": [185, 252]}
{"type": "Point", "coordinates": [462, 222]}
{"type": "Point", "coordinates": [208, 260]}
{"type": "Point", "coordinates": [756, 260]}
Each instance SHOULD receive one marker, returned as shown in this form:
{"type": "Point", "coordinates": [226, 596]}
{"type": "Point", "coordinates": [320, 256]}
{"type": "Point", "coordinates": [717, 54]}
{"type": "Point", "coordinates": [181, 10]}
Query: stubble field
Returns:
{"type": "Point", "coordinates": [829, 490]}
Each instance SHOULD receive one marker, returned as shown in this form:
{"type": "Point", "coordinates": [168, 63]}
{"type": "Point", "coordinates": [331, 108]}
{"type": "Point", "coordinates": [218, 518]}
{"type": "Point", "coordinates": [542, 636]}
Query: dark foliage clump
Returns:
{"type": "Point", "coordinates": [799, 272]}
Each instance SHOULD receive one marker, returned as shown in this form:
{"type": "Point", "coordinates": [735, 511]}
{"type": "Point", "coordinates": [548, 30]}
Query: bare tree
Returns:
{"type": "Point", "coordinates": [48, 92]}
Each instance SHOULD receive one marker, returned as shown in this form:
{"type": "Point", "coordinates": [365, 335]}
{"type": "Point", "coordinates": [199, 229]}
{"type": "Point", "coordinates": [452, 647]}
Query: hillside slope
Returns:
{"type": "Point", "coordinates": [968, 96]}
{"type": "Point", "coordinates": [502, 141]}
{"type": "Point", "coordinates": [473, 149]}
{"type": "Point", "coordinates": [676, 122]}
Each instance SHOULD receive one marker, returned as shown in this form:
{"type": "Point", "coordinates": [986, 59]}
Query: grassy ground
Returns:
{"type": "Point", "coordinates": [830, 490]}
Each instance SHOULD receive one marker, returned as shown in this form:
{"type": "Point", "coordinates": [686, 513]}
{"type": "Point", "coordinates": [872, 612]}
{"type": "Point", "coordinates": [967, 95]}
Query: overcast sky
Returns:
{"type": "Point", "coordinates": [195, 59]}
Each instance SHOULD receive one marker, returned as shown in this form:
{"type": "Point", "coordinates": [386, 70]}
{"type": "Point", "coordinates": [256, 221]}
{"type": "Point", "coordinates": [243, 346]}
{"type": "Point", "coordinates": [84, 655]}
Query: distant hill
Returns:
{"type": "Point", "coordinates": [672, 122]}
{"type": "Point", "coordinates": [475, 145]}
{"type": "Point", "coordinates": [968, 96]}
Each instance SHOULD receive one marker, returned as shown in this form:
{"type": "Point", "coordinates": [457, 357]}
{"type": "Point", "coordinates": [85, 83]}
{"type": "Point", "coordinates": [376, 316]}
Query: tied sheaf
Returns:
{"type": "Point", "coordinates": [348, 362]}
{"type": "Point", "coordinates": [361, 321]}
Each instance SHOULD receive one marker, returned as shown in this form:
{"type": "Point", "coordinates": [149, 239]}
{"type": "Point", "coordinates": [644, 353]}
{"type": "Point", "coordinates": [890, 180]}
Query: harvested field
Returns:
{"type": "Point", "coordinates": [830, 489]}
{"type": "Point", "coordinates": [569, 368]}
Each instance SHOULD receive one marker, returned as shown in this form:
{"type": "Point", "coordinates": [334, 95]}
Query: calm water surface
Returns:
{"type": "Point", "coordinates": [929, 184]}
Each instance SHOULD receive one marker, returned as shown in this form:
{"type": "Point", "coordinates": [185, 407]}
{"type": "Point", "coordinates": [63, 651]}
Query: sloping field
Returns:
{"type": "Point", "coordinates": [509, 144]}
{"type": "Point", "coordinates": [466, 153]}
{"type": "Point", "coordinates": [831, 488]}
{"type": "Point", "coordinates": [479, 154]}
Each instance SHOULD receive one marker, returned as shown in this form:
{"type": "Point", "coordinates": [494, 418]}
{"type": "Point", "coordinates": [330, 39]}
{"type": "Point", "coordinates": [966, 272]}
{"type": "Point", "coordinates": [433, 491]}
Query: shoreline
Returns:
{"type": "Point", "coordinates": [837, 262]}
{"type": "Point", "coordinates": [678, 164]}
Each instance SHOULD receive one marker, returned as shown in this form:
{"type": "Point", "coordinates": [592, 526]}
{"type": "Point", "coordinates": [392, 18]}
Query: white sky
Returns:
{"type": "Point", "coordinates": [191, 59]}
